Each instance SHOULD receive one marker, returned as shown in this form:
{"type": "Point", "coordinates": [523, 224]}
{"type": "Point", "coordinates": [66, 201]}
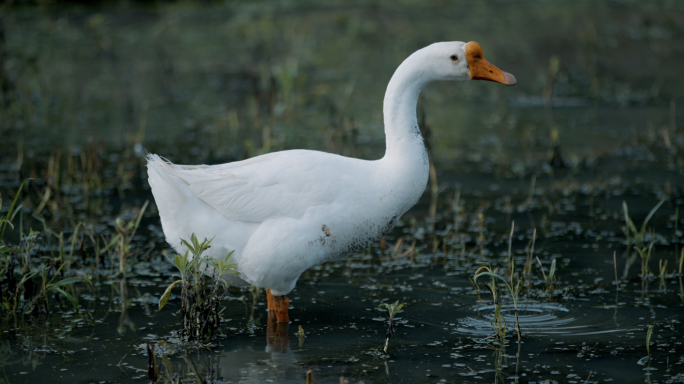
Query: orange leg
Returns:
{"type": "Point", "coordinates": [280, 306]}
{"type": "Point", "coordinates": [269, 299]}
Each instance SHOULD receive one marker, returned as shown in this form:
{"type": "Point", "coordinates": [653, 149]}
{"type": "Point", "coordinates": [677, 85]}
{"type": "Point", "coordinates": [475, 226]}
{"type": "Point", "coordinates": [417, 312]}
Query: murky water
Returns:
{"type": "Point", "coordinates": [558, 155]}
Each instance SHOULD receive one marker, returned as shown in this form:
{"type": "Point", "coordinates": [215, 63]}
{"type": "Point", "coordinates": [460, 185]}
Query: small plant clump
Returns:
{"type": "Point", "coordinates": [635, 235]}
{"type": "Point", "coordinates": [27, 280]}
{"type": "Point", "coordinates": [550, 279]}
{"type": "Point", "coordinates": [645, 254]}
{"type": "Point", "coordinates": [638, 237]}
{"type": "Point", "coordinates": [200, 296]}
{"type": "Point", "coordinates": [499, 323]}
{"type": "Point", "coordinates": [392, 311]}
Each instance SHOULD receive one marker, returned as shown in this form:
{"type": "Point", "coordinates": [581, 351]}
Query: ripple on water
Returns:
{"type": "Point", "coordinates": [538, 319]}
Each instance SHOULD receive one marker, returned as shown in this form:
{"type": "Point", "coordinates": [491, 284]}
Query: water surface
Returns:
{"type": "Point", "coordinates": [592, 123]}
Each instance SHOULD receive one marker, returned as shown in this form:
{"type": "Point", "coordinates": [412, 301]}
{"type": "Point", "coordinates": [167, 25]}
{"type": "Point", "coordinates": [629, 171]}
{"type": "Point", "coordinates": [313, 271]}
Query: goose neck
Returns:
{"type": "Point", "coordinates": [399, 109]}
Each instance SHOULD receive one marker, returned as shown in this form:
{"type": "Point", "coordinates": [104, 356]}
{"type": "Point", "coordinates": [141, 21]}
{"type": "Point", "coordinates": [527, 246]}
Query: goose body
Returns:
{"type": "Point", "coordinates": [284, 212]}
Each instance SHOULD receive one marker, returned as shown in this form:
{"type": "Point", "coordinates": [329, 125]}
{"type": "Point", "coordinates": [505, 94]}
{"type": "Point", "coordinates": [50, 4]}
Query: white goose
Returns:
{"type": "Point", "coordinates": [285, 212]}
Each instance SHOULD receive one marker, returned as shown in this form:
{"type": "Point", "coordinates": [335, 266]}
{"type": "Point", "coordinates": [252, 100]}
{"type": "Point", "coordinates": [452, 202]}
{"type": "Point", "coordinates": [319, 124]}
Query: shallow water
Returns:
{"type": "Point", "coordinates": [443, 334]}
{"type": "Point", "coordinates": [206, 84]}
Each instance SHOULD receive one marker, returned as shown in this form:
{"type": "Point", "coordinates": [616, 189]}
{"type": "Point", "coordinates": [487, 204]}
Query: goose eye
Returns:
{"type": "Point", "coordinates": [453, 58]}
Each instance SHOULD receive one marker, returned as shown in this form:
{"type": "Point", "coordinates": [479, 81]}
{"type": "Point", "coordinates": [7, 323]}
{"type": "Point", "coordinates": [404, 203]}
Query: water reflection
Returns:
{"type": "Point", "coordinates": [124, 319]}
{"type": "Point", "coordinates": [277, 361]}
{"type": "Point", "coordinates": [278, 341]}
{"type": "Point", "coordinates": [255, 294]}
{"type": "Point", "coordinates": [254, 362]}
{"type": "Point", "coordinates": [499, 365]}
{"type": "Point", "coordinates": [247, 362]}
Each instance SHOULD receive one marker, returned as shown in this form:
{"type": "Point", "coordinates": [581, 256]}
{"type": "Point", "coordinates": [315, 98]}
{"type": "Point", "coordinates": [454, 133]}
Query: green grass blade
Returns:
{"type": "Point", "coordinates": [628, 220]}
{"type": "Point", "coordinates": [491, 274]}
{"type": "Point", "coordinates": [73, 240]}
{"type": "Point", "coordinates": [68, 280]}
{"type": "Point", "coordinates": [650, 214]}
{"type": "Point", "coordinates": [137, 220]}
{"type": "Point", "coordinates": [552, 270]}
{"type": "Point", "coordinates": [11, 209]}
{"type": "Point", "coordinates": [66, 296]}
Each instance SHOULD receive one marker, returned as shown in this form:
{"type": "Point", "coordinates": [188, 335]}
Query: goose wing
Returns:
{"type": "Point", "coordinates": [282, 184]}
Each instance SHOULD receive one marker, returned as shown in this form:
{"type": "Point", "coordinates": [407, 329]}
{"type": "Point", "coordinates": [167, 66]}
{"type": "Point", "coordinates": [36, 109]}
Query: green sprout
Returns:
{"type": "Point", "coordinates": [393, 310]}
{"type": "Point", "coordinates": [645, 254]}
{"type": "Point", "coordinates": [548, 280]}
{"type": "Point", "coordinates": [631, 231]}
{"type": "Point", "coordinates": [122, 240]}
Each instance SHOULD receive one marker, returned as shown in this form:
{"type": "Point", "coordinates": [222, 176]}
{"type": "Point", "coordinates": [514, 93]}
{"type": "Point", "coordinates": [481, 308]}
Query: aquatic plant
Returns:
{"type": "Point", "coordinates": [529, 251]}
{"type": "Point", "coordinates": [121, 241]}
{"type": "Point", "coordinates": [10, 213]}
{"type": "Point", "coordinates": [392, 310]}
{"type": "Point", "coordinates": [200, 296]}
{"type": "Point", "coordinates": [634, 234]}
{"type": "Point", "coordinates": [662, 267]}
{"type": "Point", "coordinates": [28, 282]}
{"type": "Point", "coordinates": [13, 262]}
{"type": "Point", "coordinates": [499, 324]}
{"type": "Point", "coordinates": [548, 280]}
{"type": "Point", "coordinates": [48, 286]}
{"type": "Point", "coordinates": [300, 336]}
{"type": "Point", "coordinates": [645, 256]}
{"type": "Point", "coordinates": [649, 333]}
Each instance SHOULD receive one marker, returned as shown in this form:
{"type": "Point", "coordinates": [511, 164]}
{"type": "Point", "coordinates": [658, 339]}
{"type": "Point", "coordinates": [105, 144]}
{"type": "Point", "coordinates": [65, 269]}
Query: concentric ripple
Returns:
{"type": "Point", "coordinates": [536, 319]}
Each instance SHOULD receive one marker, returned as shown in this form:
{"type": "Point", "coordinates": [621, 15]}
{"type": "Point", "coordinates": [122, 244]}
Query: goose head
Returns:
{"type": "Point", "coordinates": [461, 61]}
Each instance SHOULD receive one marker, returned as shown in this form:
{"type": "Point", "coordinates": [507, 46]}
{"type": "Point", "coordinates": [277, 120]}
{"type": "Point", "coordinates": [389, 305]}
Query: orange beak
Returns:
{"type": "Point", "coordinates": [481, 69]}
